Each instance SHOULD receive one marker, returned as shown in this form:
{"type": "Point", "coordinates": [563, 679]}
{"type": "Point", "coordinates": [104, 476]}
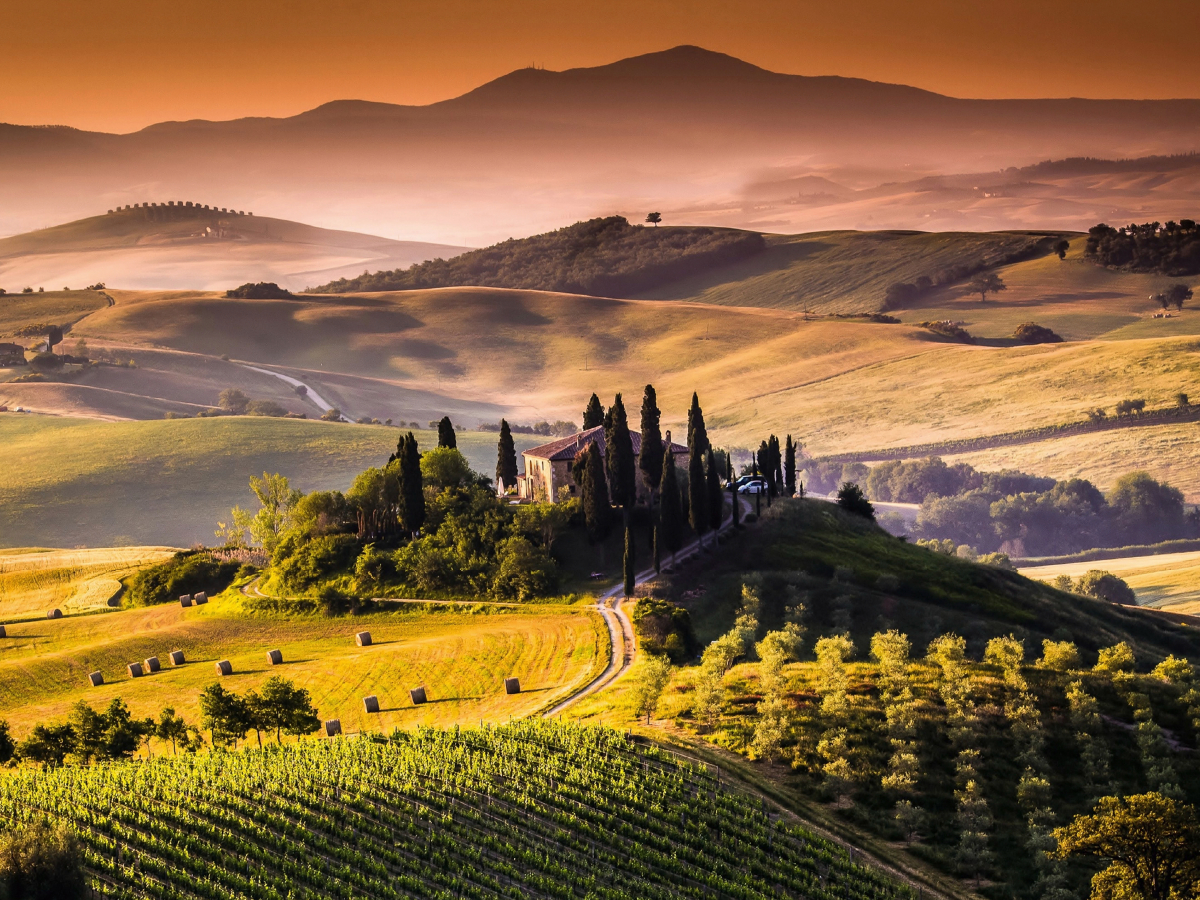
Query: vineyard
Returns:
{"type": "Point", "coordinates": [528, 810]}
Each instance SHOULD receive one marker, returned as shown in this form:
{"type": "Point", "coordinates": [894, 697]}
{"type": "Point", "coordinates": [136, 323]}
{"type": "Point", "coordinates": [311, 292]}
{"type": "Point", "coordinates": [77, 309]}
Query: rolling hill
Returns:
{"type": "Point", "coordinates": [685, 131]}
{"type": "Point", "coordinates": [193, 247]}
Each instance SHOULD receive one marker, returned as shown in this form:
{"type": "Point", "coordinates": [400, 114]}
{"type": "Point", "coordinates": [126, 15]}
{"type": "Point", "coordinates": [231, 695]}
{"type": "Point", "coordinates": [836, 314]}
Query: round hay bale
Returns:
{"type": "Point", "coordinates": [152, 664]}
{"type": "Point", "coordinates": [176, 657]}
{"type": "Point", "coordinates": [371, 704]}
{"type": "Point", "coordinates": [135, 670]}
{"type": "Point", "coordinates": [333, 727]}
{"type": "Point", "coordinates": [224, 667]}
{"type": "Point", "coordinates": [3, 632]}
{"type": "Point", "coordinates": [418, 696]}
{"type": "Point", "coordinates": [363, 639]}
{"type": "Point", "coordinates": [54, 614]}
{"type": "Point", "coordinates": [185, 602]}
{"type": "Point", "coordinates": [275, 657]}
{"type": "Point", "coordinates": [512, 685]}
{"type": "Point", "coordinates": [96, 679]}
{"type": "Point", "coordinates": [200, 599]}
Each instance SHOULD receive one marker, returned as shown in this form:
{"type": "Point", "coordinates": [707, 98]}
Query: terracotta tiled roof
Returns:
{"type": "Point", "coordinates": [568, 448]}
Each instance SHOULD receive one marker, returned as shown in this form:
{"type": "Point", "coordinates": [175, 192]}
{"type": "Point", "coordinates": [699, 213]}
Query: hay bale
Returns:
{"type": "Point", "coordinates": [333, 727]}
{"type": "Point", "coordinates": [3, 632]}
{"type": "Point", "coordinates": [176, 657]}
{"type": "Point", "coordinates": [371, 704]}
{"type": "Point", "coordinates": [512, 685]}
{"type": "Point", "coordinates": [152, 664]}
{"type": "Point", "coordinates": [96, 679]}
{"type": "Point", "coordinates": [363, 639]}
{"type": "Point", "coordinates": [185, 602]}
{"type": "Point", "coordinates": [418, 696]}
{"type": "Point", "coordinates": [274, 657]}
{"type": "Point", "coordinates": [54, 614]}
{"type": "Point", "coordinates": [200, 599]}
{"type": "Point", "coordinates": [224, 667]}
{"type": "Point", "coordinates": [135, 670]}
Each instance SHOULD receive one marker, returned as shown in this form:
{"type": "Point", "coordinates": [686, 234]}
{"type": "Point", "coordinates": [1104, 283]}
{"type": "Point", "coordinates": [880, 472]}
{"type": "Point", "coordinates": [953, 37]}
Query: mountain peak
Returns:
{"type": "Point", "coordinates": [684, 60]}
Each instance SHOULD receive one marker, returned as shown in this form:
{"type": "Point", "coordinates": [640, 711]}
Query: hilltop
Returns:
{"type": "Point", "coordinates": [192, 245]}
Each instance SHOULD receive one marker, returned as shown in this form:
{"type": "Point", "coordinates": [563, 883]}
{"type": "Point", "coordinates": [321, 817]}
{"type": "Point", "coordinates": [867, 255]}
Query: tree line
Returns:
{"type": "Point", "coordinates": [1170, 249]}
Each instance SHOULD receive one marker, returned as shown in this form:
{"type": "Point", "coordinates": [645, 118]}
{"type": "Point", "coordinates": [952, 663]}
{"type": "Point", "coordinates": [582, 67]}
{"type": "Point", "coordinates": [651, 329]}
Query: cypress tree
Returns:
{"type": "Point", "coordinates": [697, 497]}
{"type": "Point", "coordinates": [594, 414]}
{"type": "Point", "coordinates": [733, 498]}
{"type": "Point", "coordinates": [757, 492]}
{"type": "Point", "coordinates": [776, 465]}
{"type": "Point", "coordinates": [670, 509]}
{"type": "Point", "coordinates": [789, 467]}
{"type": "Point", "coordinates": [630, 563]}
{"type": "Point", "coordinates": [597, 512]}
{"type": "Point", "coordinates": [657, 539]}
{"type": "Point", "coordinates": [620, 461]}
{"type": "Point", "coordinates": [697, 441]}
{"type": "Point", "coordinates": [411, 500]}
{"type": "Point", "coordinates": [506, 457]}
{"type": "Point", "coordinates": [650, 456]}
{"type": "Point", "coordinates": [446, 436]}
{"type": "Point", "coordinates": [716, 497]}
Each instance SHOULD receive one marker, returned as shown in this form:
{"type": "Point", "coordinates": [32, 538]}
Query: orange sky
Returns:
{"type": "Point", "coordinates": [118, 65]}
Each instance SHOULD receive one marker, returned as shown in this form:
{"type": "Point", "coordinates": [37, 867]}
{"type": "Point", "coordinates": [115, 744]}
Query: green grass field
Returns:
{"type": "Point", "coordinates": [78, 482]}
{"type": "Point", "coordinates": [460, 654]}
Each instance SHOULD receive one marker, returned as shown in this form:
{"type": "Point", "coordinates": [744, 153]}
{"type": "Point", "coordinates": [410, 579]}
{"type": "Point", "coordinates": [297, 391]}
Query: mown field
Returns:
{"type": "Point", "coordinates": [48, 307]}
{"type": "Point", "coordinates": [461, 655]}
{"type": "Point", "coordinates": [34, 581]}
{"type": "Point", "coordinates": [72, 482]}
{"type": "Point", "coordinates": [1169, 581]}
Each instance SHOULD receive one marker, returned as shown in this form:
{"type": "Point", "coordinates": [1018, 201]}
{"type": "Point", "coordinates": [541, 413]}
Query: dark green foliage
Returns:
{"type": "Point", "coordinates": [697, 495]}
{"type": "Point", "coordinates": [7, 746]}
{"type": "Point", "coordinates": [630, 564]}
{"type": "Point", "coordinates": [41, 862]}
{"type": "Point", "coordinates": [650, 457]}
{"type": "Point", "coordinates": [48, 745]}
{"type": "Point", "coordinates": [851, 498]}
{"type": "Point", "coordinates": [603, 257]}
{"type": "Point", "coordinates": [697, 438]}
{"type": "Point", "coordinates": [593, 491]}
{"type": "Point", "coordinates": [412, 493]}
{"type": "Point", "coordinates": [267, 408]}
{"type": "Point", "coordinates": [185, 573]}
{"type": "Point", "coordinates": [715, 501]}
{"type": "Point", "coordinates": [1175, 295]}
{"type": "Point", "coordinates": [1031, 333]}
{"type": "Point", "coordinates": [1173, 249]}
{"type": "Point", "coordinates": [663, 627]}
{"type": "Point", "coordinates": [302, 565]}
{"type": "Point", "coordinates": [281, 707]}
{"type": "Point", "coordinates": [789, 468]}
{"type": "Point", "coordinates": [593, 415]}
{"type": "Point", "coordinates": [112, 734]}
{"type": "Point", "coordinates": [670, 510]}
{"type": "Point", "coordinates": [897, 481]}
{"type": "Point", "coordinates": [506, 457]}
{"type": "Point", "coordinates": [224, 714]}
{"type": "Point", "coordinates": [446, 435]}
{"type": "Point", "coordinates": [1105, 586]}
{"type": "Point", "coordinates": [262, 290]}
{"type": "Point", "coordinates": [1061, 248]}
{"type": "Point", "coordinates": [619, 458]}
{"type": "Point", "coordinates": [523, 571]}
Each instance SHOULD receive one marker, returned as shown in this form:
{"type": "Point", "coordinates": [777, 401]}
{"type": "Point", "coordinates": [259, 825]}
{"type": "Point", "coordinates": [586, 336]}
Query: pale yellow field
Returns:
{"type": "Point", "coordinates": [1168, 581]}
{"type": "Point", "coordinates": [34, 581]}
{"type": "Point", "coordinates": [460, 656]}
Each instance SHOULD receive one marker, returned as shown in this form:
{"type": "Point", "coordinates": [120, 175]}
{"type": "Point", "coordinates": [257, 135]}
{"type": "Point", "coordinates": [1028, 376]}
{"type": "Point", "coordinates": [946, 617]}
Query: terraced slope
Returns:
{"type": "Point", "coordinates": [530, 810]}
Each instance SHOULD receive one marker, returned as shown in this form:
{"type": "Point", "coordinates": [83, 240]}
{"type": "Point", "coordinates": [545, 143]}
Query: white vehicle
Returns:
{"type": "Point", "coordinates": [753, 487]}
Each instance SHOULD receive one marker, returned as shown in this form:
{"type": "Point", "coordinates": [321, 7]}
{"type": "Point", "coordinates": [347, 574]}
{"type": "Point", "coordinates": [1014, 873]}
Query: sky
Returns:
{"type": "Point", "coordinates": [119, 65]}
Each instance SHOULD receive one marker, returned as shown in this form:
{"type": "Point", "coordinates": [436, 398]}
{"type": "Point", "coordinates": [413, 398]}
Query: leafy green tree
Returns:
{"type": "Point", "coordinates": [650, 678]}
{"type": "Point", "coordinates": [1117, 658]}
{"type": "Point", "coordinates": [282, 707]}
{"type": "Point", "coordinates": [593, 490]}
{"type": "Point", "coordinates": [445, 467]}
{"type": "Point", "coordinates": [506, 457]}
{"type": "Point", "coordinates": [832, 653]}
{"type": "Point", "coordinates": [523, 571]}
{"type": "Point", "coordinates": [593, 415]}
{"type": "Point", "coordinates": [171, 727]}
{"type": "Point", "coordinates": [650, 455]}
{"type": "Point", "coordinates": [630, 567]}
{"type": "Point", "coordinates": [654, 218]}
{"type": "Point", "coordinates": [48, 745]}
{"type": "Point", "coordinates": [224, 714]}
{"type": "Point", "coordinates": [233, 401]}
{"type": "Point", "coordinates": [1059, 656]}
{"type": "Point", "coordinates": [1146, 510]}
{"type": "Point", "coordinates": [697, 442]}
{"type": "Point", "coordinates": [851, 498]}
{"type": "Point", "coordinates": [39, 861]}
{"type": "Point", "coordinates": [1151, 843]}
{"type": "Point", "coordinates": [619, 458]}
{"type": "Point", "coordinates": [789, 468]}
{"type": "Point", "coordinates": [986, 283]}
{"type": "Point", "coordinates": [276, 497]}
{"type": "Point", "coordinates": [670, 509]}
{"type": "Point", "coordinates": [446, 435]}
{"type": "Point", "coordinates": [546, 521]}
{"type": "Point", "coordinates": [1105, 586]}
{"type": "Point", "coordinates": [697, 496]}
{"type": "Point", "coordinates": [112, 734]}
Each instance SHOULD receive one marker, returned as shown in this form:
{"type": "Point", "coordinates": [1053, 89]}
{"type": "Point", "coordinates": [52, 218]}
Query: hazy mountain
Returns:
{"type": "Point", "coordinates": [685, 130]}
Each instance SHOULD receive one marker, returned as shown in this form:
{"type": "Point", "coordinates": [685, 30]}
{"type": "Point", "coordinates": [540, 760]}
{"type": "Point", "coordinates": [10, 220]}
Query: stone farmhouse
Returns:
{"type": "Point", "coordinates": [548, 467]}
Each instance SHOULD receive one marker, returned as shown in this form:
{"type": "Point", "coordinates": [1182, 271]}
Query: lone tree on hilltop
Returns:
{"type": "Point", "coordinates": [650, 456]}
{"type": "Point", "coordinates": [593, 416]}
{"type": "Point", "coordinates": [654, 218]}
{"type": "Point", "coordinates": [506, 457]}
{"type": "Point", "coordinates": [1061, 248]}
{"type": "Point", "coordinates": [986, 283]}
{"type": "Point", "coordinates": [446, 437]}
{"type": "Point", "coordinates": [851, 498]}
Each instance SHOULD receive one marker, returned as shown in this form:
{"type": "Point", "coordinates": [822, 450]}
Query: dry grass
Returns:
{"type": "Point", "coordinates": [460, 656]}
{"type": "Point", "coordinates": [1168, 581]}
{"type": "Point", "coordinates": [33, 581]}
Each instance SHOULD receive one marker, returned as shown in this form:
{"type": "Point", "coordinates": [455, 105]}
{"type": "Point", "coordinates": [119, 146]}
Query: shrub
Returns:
{"type": "Point", "coordinates": [948, 329]}
{"type": "Point", "coordinates": [1059, 656]}
{"type": "Point", "coordinates": [262, 290]}
{"type": "Point", "coordinates": [523, 571]}
{"type": "Point", "coordinates": [265, 408]}
{"type": "Point", "coordinates": [1105, 586]}
{"type": "Point", "coordinates": [41, 862]}
{"type": "Point", "coordinates": [851, 498]}
{"type": "Point", "coordinates": [233, 401]}
{"type": "Point", "coordinates": [663, 627]}
{"type": "Point", "coordinates": [1030, 333]}
{"type": "Point", "coordinates": [301, 566]}
{"type": "Point", "coordinates": [333, 414]}
{"type": "Point", "coordinates": [184, 573]}
{"type": "Point", "coordinates": [1117, 658]}
{"type": "Point", "coordinates": [46, 362]}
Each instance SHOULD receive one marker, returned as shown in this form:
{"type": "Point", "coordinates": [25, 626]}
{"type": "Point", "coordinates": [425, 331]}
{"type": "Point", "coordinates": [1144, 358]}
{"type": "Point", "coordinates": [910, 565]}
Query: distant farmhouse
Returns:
{"type": "Point", "coordinates": [12, 352]}
{"type": "Point", "coordinates": [548, 467]}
